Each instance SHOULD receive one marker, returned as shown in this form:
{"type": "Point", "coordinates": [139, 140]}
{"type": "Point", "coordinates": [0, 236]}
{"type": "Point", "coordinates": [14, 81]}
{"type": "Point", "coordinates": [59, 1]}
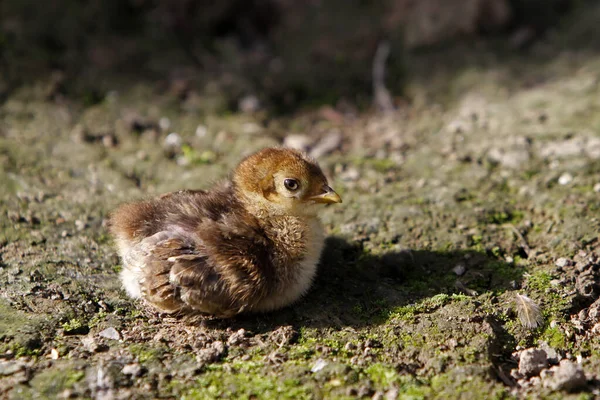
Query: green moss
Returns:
{"type": "Point", "coordinates": [21, 334]}
{"type": "Point", "coordinates": [97, 319]}
{"type": "Point", "coordinates": [146, 353]}
{"type": "Point", "coordinates": [378, 164]}
{"type": "Point", "coordinates": [246, 381]}
{"type": "Point", "coordinates": [539, 281]}
{"type": "Point", "coordinates": [73, 325]}
{"type": "Point", "coordinates": [50, 383]}
{"type": "Point", "coordinates": [504, 217]}
{"type": "Point", "coordinates": [427, 305]}
{"type": "Point", "coordinates": [555, 338]}
{"type": "Point", "coordinates": [382, 375]}
{"type": "Point", "coordinates": [195, 158]}
{"type": "Point", "coordinates": [460, 384]}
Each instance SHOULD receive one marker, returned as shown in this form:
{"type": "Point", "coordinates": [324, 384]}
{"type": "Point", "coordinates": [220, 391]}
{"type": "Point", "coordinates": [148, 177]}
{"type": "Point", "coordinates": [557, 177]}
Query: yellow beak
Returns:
{"type": "Point", "coordinates": [329, 196]}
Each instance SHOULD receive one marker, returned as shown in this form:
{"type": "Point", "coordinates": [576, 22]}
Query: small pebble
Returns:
{"type": "Point", "coordinates": [110, 333]}
{"type": "Point", "coordinates": [80, 225]}
{"type": "Point", "coordinates": [10, 367]}
{"type": "Point", "coordinates": [532, 362]}
{"type": "Point", "coordinates": [237, 338]}
{"type": "Point", "coordinates": [249, 104]}
{"type": "Point", "coordinates": [172, 144]}
{"type": "Point", "coordinates": [565, 376]}
{"type": "Point", "coordinates": [164, 123]}
{"type": "Point", "coordinates": [109, 141]}
{"type": "Point", "coordinates": [132, 369]}
{"type": "Point", "coordinates": [212, 353]}
{"type": "Point", "coordinates": [562, 262]}
{"type": "Point", "coordinates": [201, 131]}
{"type": "Point", "coordinates": [565, 179]}
{"type": "Point", "coordinates": [459, 270]}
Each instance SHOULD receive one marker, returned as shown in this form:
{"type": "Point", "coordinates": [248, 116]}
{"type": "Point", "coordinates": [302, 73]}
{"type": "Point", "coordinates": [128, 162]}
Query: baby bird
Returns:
{"type": "Point", "coordinates": [249, 244]}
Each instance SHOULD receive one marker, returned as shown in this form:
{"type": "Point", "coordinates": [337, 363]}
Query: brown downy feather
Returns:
{"type": "Point", "coordinates": [528, 311]}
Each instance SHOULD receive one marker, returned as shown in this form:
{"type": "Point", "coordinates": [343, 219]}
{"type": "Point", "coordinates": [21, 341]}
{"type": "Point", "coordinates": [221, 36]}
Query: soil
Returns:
{"type": "Point", "coordinates": [481, 185]}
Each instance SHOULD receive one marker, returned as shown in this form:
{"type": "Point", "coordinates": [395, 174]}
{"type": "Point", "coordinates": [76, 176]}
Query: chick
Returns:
{"type": "Point", "coordinates": [249, 244]}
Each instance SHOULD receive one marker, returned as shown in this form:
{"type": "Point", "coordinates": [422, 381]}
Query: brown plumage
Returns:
{"type": "Point", "coordinates": [249, 244]}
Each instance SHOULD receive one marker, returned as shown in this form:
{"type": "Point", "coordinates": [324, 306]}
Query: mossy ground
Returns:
{"type": "Point", "coordinates": [466, 174]}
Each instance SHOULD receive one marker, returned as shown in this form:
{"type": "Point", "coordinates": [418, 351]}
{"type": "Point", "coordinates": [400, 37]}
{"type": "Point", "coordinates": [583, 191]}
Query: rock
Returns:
{"type": "Point", "coordinates": [284, 335]}
{"type": "Point", "coordinates": [92, 346]}
{"type": "Point", "coordinates": [54, 354]}
{"type": "Point", "coordinates": [565, 179]}
{"type": "Point", "coordinates": [565, 376]}
{"type": "Point", "coordinates": [10, 367]}
{"type": "Point", "coordinates": [237, 338]}
{"type": "Point", "coordinates": [80, 225]}
{"type": "Point", "coordinates": [562, 262]}
{"type": "Point", "coordinates": [164, 123]}
{"type": "Point", "coordinates": [459, 270]}
{"type": "Point", "coordinates": [532, 362]}
{"type": "Point", "coordinates": [597, 187]}
{"type": "Point", "coordinates": [592, 148]}
{"type": "Point", "coordinates": [513, 158]}
{"type": "Point", "coordinates": [249, 104]}
{"type": "Point", "coordinates": [551, 354]}
{"type": "Point", "coordinates": [172, 144]}
{"type": "Point", "coordinates": [562, 149]}
{"type": "Point", "coordinates": [212, 353]}
{"type": "Point", "coordinates": [392, 394]}
{"type": "Point", "coordinates": [132, 369]}
{"type": "Point", "coordinates": [109, 140]}
{"type": "Point", "coordinates": [201, 131]}
{"type": "Point", "coordinates": [110, 333]}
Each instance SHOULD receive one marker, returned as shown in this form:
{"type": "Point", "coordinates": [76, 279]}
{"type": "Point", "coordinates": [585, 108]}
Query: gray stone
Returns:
{"type": "Point", "coordinates": [110, 333]}
{"type": "Point", "coordinates": [10, 367]}
{"type": "Point", "coordinates": [459, 269]}
{"type": "Point", "coordinates": [565, 376]}
{"type": "Point", "coordinates": [132, 369]}
{"type": "Point", "coordinates": [553, 356]}
{"type": "Point", "coordinates": [562, 262]}
{"type": "Point", "coordinates": [532, 362]}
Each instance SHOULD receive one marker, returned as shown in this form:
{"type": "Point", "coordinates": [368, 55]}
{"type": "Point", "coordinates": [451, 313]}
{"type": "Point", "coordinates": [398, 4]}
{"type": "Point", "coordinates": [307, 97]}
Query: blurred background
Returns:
{"type": "Point", "coordinates": [273, 54]}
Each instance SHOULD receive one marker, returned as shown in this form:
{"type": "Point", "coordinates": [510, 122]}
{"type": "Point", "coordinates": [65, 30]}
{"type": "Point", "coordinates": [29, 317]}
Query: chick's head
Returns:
{"type": "Point", "coordinates": [282, 181]}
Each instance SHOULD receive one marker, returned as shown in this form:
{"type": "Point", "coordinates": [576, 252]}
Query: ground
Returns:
{"type": "Point", "coordinates": [481, 187]}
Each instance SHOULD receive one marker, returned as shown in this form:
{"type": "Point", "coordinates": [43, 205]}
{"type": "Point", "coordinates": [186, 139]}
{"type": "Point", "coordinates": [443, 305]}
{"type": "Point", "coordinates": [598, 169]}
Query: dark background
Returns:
{"type": "Point", "coordinates": [287, 53]}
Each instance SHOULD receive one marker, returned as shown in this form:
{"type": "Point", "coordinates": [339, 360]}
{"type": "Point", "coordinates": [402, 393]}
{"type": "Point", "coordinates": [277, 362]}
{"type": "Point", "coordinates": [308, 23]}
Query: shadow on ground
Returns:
{"type": "Point", "coordinates": [357, 289]}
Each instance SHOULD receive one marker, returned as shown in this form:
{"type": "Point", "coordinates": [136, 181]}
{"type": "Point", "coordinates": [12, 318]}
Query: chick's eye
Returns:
{"type": "Point", "coordinates": [291, 184]}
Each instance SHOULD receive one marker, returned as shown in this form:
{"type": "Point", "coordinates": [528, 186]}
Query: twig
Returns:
{"type": "Point", "coordinates": [381, 95]}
